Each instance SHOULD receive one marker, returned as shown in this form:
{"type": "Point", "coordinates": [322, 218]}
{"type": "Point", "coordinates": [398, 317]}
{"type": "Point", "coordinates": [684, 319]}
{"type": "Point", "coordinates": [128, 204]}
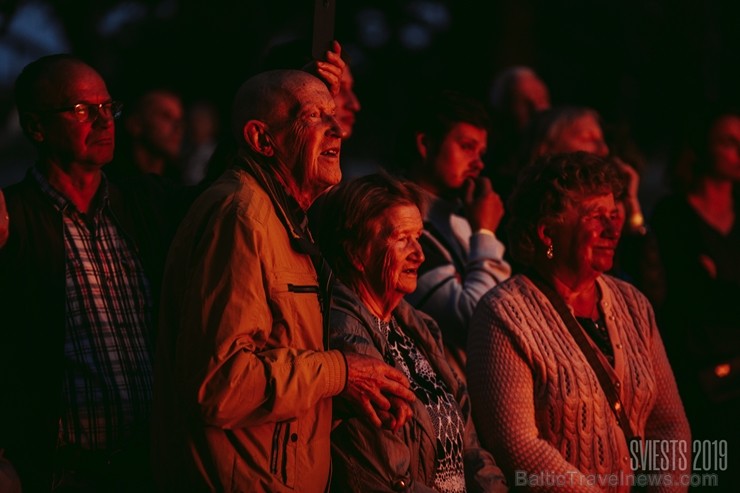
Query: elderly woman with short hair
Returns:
{"type": "Point", "coordinates": [567, 371]}
{"type": "Point", "coordinates": [370, 235]}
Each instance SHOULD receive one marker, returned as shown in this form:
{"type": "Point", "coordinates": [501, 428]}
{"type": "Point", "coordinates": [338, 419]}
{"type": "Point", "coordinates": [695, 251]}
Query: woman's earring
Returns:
{"type": "Point", "coordinates": [550, 253]}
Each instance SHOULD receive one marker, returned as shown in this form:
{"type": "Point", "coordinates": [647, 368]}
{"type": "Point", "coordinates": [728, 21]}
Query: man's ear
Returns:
{"type": "Point", "coordinates": [258, 138]}
{"type": "Point", "coordinates": [32, 126]}
{"type": "Point", "coordinates": [422, 145]}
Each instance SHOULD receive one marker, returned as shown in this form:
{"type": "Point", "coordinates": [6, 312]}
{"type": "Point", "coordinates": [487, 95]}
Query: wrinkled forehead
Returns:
{"type": "Point", "coordinates": [583, 203]}
{"type": "Point", "coordinates": [284, 97]}
{"type": "Point", "coordinates": [277, 97]}
{"type": "Point", "coordinates": [295, 94]}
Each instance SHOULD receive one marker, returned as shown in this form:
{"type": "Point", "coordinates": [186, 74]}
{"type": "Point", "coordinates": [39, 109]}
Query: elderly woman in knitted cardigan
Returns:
{"type": "Point", "coordinates": [538, 404]}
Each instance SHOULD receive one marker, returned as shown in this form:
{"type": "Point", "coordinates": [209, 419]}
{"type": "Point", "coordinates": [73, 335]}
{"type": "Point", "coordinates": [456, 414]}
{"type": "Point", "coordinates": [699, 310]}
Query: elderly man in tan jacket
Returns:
{"type": "Point", "coordinates": [243, 380]}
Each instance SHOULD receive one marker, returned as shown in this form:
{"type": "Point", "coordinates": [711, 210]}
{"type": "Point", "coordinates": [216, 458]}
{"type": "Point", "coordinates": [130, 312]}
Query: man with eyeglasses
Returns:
{"type": "Point", "coordinates": [78, 284]}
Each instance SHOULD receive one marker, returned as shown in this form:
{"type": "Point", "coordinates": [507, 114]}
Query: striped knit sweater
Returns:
{"type": "Point", "coordinates": [538, 405]}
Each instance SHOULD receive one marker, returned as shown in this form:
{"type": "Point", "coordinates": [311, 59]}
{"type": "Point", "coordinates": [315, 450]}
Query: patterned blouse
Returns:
{"type": "Point", "coordinates": [440, 403]}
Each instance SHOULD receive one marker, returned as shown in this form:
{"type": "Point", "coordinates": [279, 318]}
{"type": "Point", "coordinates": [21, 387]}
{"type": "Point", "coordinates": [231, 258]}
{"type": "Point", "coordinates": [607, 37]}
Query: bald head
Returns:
{"type": "Point", "coordinates": [42, 79]}
{"type": "Point", "coordinates": [272, 97]}
{"type": "Point", "coordinates": [54, 81]}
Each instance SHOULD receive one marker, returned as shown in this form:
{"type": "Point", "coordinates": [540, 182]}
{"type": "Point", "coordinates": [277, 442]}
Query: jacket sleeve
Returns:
{"type": "Point", "coordinates": [451, 296]}
{"type": "Point", "coordinates": [222, 355]}
{"type": "Point", "coordinates": [502, 390]}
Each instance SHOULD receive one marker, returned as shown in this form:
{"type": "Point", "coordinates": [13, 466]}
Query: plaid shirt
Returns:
{"type": "Point", "coordinates": [107, 389]}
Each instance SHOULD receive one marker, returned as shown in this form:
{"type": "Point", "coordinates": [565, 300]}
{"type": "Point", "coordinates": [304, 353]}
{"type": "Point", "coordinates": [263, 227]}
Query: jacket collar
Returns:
{"type": "Point", "coordinates": [420, 327]}
{"type": "Point", "coordinates": [291, 215]}
{"type": "Point", "coordinates": [295, 221]}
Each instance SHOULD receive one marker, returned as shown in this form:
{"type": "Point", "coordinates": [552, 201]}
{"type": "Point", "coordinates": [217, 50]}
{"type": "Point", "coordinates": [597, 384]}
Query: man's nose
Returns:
{"type": "Point", "coordinates": [418, 251]}
{"type": "Point", "coordinates": [335, 129]}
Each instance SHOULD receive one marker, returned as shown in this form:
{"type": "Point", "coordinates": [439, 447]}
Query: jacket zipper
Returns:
{"type": "Point", "coordinates": [281, 437]}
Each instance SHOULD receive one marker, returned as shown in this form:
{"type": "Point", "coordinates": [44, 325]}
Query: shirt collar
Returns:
{"type": "Point", "coordinates": [62, 203]}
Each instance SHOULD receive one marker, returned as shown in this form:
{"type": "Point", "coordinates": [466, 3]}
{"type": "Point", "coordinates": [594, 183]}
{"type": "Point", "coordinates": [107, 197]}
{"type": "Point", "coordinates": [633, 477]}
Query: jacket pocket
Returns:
{"type": "Point", "coordinates": [283, 456]}
{"type": "Point", "coordinates": [295, 305]}
{"type": "Point", "coordinates": [297, 288]}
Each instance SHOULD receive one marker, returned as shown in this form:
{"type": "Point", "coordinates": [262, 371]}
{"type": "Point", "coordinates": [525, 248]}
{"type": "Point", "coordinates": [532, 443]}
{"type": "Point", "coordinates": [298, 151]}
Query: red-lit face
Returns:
{"type": "Point", "coordinates": [160, 125]}
{"type": "Point", "coordinates": [583, 134]}
{"type": "Point", "coordinates": [64, 139]}
{"type": "Point", "coordinates": [394, 254]}
{"type": "Point", "coordinates": [585, 241]}
{"type": "Point", "coordinates": [724, 147]}
{"type": "Point", "coordinates": [307, 139]}
{"type": "Point", "coordinates": [458, 158]}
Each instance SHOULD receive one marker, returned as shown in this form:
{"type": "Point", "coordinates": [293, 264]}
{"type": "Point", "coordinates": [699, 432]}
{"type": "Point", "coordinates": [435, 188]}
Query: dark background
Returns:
{"type": "Point", "coordinates": [648, 66]}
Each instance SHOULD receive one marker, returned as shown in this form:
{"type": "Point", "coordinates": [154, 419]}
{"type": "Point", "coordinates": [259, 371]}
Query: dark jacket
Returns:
{"type": "Point", "coordinates": [32, 304]}
{"type": "Point", "coordinates": [366, 458]}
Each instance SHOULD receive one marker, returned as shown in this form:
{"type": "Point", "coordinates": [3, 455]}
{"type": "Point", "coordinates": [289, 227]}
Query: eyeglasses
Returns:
{"type": "Point", "coordinates": [89, 112]}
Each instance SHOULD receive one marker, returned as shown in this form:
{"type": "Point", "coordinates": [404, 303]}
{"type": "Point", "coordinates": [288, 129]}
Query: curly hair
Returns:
{"type": "Point", "coordinates": [547, 188]}
{"type": "Point", "coordinates": [348, 214]}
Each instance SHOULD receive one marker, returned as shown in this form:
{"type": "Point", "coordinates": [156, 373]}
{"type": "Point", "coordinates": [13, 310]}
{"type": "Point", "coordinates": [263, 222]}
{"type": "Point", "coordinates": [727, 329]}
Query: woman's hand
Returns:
{"type": "Point", "coordinates": [329, 70]}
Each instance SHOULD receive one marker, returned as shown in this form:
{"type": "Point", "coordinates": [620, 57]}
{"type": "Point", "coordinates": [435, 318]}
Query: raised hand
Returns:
{"type": "Point", "coordinates": [483, 206]}
{"type": "Point", "coordinates": [329, 70]}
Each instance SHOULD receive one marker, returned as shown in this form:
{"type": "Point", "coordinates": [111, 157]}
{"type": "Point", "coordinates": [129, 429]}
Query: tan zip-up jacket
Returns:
{"type": "Point", "coordinates": [243, 385]}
